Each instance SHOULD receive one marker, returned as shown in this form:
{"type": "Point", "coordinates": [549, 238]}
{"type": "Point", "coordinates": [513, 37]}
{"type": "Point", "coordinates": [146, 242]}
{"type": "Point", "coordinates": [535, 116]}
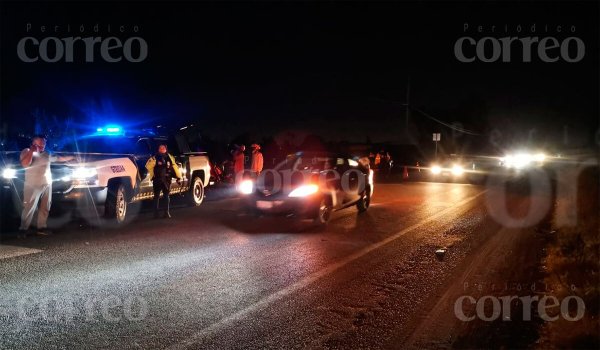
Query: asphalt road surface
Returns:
{"type": "Point", "coordinates": [213, 277]}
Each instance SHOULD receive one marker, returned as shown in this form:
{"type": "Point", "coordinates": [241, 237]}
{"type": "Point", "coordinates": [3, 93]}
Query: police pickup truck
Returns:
{"type": "Point", "coordinates": [108, 174]}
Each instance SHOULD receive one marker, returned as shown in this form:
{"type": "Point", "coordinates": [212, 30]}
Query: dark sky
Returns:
{"type": "Point", "coordinates": [335, 69]}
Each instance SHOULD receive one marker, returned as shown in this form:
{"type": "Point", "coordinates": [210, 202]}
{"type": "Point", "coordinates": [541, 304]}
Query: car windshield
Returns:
{"type": "Point", "coordinates": [99, 144]}
{"type": "Point", "coordinates": [312, 163]}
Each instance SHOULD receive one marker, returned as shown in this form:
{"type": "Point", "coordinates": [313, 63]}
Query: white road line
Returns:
{"type": "Point", "coordinates": [9, 251]}
{"type": "Point", "coordinates": [241, 314]}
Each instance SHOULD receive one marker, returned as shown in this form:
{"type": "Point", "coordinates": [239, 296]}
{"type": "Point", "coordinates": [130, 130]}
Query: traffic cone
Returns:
{"type": "Point", "coordinates": [405, 173]}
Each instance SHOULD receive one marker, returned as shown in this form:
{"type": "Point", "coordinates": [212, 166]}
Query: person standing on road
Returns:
{"type": "Point", "coordinates": [238, 162]}
{"type": "Point", "coordinates": [256, 165]}
{"type": "Point", "coordinates": [162, 169]}
{"type": "Point", "coordinates": [38, 185]}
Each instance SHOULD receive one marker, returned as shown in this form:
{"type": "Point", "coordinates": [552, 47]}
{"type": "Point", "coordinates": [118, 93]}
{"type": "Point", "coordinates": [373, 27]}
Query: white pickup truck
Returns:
{"type": "Point", "coordinates": [108, 174]}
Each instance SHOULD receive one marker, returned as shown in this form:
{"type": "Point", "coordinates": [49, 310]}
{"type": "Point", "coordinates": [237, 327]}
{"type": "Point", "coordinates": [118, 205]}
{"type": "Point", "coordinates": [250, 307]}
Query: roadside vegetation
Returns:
{"type": "Point", "coordinates": [572, 265]}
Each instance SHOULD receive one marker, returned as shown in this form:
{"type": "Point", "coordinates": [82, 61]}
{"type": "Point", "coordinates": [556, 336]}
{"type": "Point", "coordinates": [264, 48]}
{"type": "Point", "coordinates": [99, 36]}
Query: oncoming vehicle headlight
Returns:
{"type": "Point", "coordinates": [457, 170]}
{"type": "Point", "coordinates": [523, 160]}
{"type": "Point", "coordinates": [9, 173]}
{"type": "Point", "coordinates": [540, 157]}
{"type": "Point", "coordinates": [83, 173]}
{"type": "Point", "coordinates": [246, 187]}
{"type": "Point", "coordinates": [304, 190]}
{"type": "Point", "coordinates": [436, 169]}
{"type": "Point", "coordinates": [518, 161]}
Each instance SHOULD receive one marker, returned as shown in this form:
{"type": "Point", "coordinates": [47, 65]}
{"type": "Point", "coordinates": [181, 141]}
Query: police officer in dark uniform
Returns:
{"type": "Point", "coordinates": [162, 169]}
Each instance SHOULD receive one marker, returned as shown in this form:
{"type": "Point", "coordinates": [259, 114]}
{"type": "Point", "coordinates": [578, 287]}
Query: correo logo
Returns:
{"type": "Point", "coordinates": [83, 48]}
{"type": "Point", "coordinates": [548, 49]}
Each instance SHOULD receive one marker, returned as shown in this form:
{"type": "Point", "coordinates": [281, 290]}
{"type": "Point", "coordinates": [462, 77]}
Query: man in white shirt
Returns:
{"type": "Point", "coordinates": [38, 185]}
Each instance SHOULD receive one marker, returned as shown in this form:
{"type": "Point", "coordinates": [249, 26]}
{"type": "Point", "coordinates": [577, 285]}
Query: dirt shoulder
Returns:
{"type": "Point", "coordinates": [505, 265]}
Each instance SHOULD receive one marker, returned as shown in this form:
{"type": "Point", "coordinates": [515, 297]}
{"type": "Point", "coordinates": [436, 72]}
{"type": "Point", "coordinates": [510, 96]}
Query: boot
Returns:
{"type": "Point", "coordinates": [167, 215]}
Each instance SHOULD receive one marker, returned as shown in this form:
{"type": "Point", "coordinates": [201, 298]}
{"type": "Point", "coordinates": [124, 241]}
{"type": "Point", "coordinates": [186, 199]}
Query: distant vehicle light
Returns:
{"type": "Point", "coordinates": [540, 157]}
{"type": "Point", "coordinates": [304, 190]}
{"type": "Point", "coordinates": [83, 173]}
{"type": "Point", "coordinates": [436, 170]}
{"type": "Point", "coordinates": [9, 173]}
{"type": "Point", "coordinates": [246, 187]}
{"type": "Point", "coordinates": [457, 170]}
{"type": "Point", "coordinates": [522, 160]}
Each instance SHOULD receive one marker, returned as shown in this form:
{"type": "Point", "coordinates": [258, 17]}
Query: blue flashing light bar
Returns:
{"type": "Point", "coordinates": [110, 130]}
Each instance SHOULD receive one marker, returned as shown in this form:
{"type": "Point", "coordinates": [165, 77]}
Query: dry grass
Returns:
{"type": "Point", "coordinates": [573, 262]}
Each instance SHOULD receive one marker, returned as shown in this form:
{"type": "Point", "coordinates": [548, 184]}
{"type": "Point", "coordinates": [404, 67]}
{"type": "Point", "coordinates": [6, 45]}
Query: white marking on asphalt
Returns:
{"type": "Point", "coordinates": [10, 251]}
{"type": "Point", "coordinates": [241, 314]}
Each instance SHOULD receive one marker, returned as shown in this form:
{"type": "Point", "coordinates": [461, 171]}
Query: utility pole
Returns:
{"type": "Point", "coordinates": [407, 115]}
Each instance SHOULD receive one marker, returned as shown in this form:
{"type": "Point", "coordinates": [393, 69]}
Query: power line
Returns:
{"type": "Point", "coordinates": [453, 127]}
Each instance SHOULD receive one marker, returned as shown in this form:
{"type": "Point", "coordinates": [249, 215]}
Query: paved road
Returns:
{"type": "Point", "coordinates": [212, 277]}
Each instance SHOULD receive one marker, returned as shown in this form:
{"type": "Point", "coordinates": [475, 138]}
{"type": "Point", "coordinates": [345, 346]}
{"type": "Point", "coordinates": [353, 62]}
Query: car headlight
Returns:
{"type": "Point", "coordinates": [523, 160]}
{"type": "Point", "coordinates": [304, 190]}
{"type": "Point", "coordinates": [540, 157]}
{"type": "Point", "coordinates": [246, 187]}
{"type": "Point", "coordinates": [519, 161]}
{"type": "Point", "coordinates": [436, 169]}
{"type": "Point", "coordinates": [457, 170]}
{"type": "Point", "coordinates": [9, 173]}
{"type": "Point", "coordinates": [83, 173]}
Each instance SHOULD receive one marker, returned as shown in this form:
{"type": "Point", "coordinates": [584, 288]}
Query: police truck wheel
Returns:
{"type": "Point", "coordinates": [196, 192]}
{"type": "Point", "coordinates": [116, 203]}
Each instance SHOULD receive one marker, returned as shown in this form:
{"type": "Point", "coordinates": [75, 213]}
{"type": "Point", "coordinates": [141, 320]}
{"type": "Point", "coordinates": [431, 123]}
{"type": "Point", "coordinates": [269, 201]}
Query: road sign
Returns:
{"type": "Point", "coordinates": [436, 137]}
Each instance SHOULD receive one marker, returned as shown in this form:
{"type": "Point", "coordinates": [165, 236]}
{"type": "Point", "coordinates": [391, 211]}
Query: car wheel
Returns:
{"type": "Point", "coordinates": [365, 201]}
{"type": "Point", "coordinates": [196, 192]}
{"type": "Point", "coordinates": [323, 212]}
{"type": "Point", "coordinates": [116, 203]}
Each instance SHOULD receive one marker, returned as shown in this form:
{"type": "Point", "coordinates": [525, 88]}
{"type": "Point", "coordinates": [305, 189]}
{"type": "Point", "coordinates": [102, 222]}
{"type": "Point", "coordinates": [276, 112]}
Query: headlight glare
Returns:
{"type": "Point", "coordinates": [457, 170]}
{"type": "Point", "coordinates": [9, 173]}
{"type": "Point", "coordinates": [304, 190]}
{"type": "Point", "coordinates": [540, 157]}
{"type": "Point", "coordinates": [436, 169]}
{"type": "Point", "coordinates": [83, 173]}
{"type": "Point", "coordinates": [246, 187]}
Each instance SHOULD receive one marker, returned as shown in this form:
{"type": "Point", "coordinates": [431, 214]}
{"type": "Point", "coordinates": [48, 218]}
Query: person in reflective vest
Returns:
{"type": "Point", "coordinates": [239, 158]}
{"type": "Point", "coordinates": [256, 165]}
{"type": "Point", "coordinates": [162, 169]}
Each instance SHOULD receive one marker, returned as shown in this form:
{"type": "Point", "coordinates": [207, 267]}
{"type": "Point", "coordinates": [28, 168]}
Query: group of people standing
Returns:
{"type": "Point", "coordinates": [239, 161]}
{"type": "Point", "coordinates": [381, 161]}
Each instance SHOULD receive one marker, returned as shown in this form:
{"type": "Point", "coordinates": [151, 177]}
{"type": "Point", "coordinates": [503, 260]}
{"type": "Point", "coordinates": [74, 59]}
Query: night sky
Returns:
{"type": "Point", "coordinates": [339, 70]}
